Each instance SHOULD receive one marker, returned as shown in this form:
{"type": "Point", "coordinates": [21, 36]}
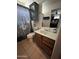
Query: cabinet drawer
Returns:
{"type": "Point", "coordinates": [48, 44]}
{"type": "Point", "coordinates": [47, 49]}
{"type": "Point", "coordinates": [37, 39]}
{"type": "Point", "coordinates": [48, 41]}
{"type": "Point", "coordinates": [38, 35]}
{"type": "Point", "coordinates": [45, 43]}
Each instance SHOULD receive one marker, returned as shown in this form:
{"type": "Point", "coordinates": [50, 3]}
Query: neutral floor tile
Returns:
{"type": "Point", "coordinates": [27, 49]}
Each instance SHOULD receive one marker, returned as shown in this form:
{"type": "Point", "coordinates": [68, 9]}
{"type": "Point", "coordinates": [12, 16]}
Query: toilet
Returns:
{"type": "Point", "coordinates": [31, 35]}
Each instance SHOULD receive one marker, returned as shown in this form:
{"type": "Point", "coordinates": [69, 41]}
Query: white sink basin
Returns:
{"type": "Point", "coordinates": [49, 29]}
{"type": "Point", "coordinates": [48, 32]}
{"type": "Point", "coordinates": [44, 32]}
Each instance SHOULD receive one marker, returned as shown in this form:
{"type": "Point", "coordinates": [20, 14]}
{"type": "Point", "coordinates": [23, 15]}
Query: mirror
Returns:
{"type": "Point", "coordinates": [55, 17]}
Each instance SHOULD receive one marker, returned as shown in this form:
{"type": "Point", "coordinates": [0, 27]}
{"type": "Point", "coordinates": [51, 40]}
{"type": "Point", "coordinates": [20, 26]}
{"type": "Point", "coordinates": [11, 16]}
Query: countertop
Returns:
{"type": "Point", "coordinates": [48, 32]}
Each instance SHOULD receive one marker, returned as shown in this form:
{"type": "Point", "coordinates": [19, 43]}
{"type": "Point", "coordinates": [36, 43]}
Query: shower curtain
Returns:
{"type": "Point", "coordinates": [23, 21]}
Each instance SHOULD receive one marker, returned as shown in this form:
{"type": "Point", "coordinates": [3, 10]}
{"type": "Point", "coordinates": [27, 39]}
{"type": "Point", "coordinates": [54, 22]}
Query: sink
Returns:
{"type": "Point", "coordinates": [44, 32]}
{"type": "Point", "coordinates": [47, 30]}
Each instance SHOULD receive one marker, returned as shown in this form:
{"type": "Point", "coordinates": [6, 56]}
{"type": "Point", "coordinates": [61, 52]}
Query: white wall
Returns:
{"type": "Point", "coordinates": [47, 6]}
{"type": "Point", "coordinates": [28, 2]}
{"type": "Point", "coordinates": [25, 2]}
{"type": "Point", "coordinates": [56, 54]}
{"type": "Point", "coordinates": [46, 9]}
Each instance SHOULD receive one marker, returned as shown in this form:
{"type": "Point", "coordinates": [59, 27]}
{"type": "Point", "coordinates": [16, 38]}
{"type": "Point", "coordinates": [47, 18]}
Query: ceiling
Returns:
{"type": "Point", "coordinates": [28, 2]}
{"type": "Point", "coordinates": [41, 1]}
{"type": "Point", "coordinates": [38, 1]}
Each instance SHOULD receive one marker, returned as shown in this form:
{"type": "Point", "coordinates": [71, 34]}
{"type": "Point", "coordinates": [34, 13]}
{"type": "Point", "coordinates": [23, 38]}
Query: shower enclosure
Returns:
{"type": "Point", "coordinates": [23, 21]}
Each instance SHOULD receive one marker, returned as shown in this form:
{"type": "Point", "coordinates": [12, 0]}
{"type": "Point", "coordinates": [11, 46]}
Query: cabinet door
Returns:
{"type": "Point", "coordinates": [46, 49]}
{"type": "Point", "coordinates": [37, 39]}
{"type": "Point", "coordinates": [48, 42]}
{"type": "Point", "coordinates": [44, 43]}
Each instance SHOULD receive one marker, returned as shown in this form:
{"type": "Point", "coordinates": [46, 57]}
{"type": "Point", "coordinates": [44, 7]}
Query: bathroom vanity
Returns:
{"type": "Point", "coordinates": [45, 39]}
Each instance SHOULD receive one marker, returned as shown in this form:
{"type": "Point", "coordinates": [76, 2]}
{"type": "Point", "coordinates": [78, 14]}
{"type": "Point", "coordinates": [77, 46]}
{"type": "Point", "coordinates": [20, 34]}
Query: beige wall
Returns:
{"type": "Point", "coordinates": [46, 9]}
{"type": "Point", "coordinates": [28, 2]}
{"type": "Point", "coordinates": [57, 48]}
{"type": "Point", "coordinates": [48, 6]}
{"type": "Point", "coordinates": [25, 2]}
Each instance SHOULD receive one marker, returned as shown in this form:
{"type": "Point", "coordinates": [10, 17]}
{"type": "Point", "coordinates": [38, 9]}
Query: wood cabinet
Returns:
{"type": "Point", "coordinates": [45, 43]}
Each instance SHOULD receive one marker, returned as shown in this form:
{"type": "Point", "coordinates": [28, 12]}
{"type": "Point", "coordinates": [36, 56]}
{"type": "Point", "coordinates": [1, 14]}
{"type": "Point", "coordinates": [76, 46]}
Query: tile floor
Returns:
{"type": "Point", "coordinates": [27, 49]}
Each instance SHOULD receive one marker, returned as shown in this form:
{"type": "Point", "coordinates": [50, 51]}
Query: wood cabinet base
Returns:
{"type": "Point", "coordinates": [44, 43]}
